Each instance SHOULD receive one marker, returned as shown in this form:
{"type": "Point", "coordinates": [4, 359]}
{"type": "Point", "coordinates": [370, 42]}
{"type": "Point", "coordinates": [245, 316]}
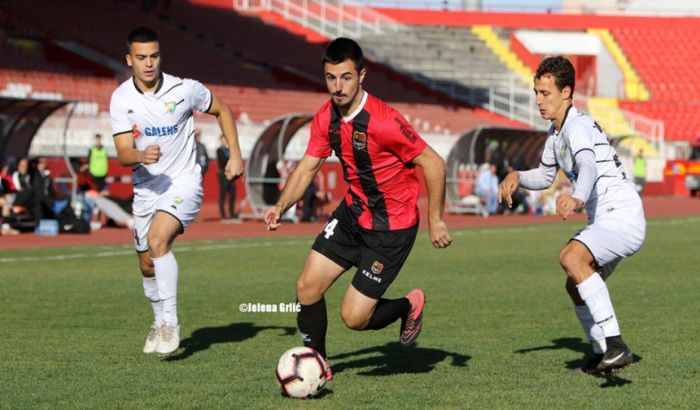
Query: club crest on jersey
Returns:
{"type": "Point", "coordinates": [377, 267]}
{"type": "Point", "coordinates": [562, 150]}
{"type": "Point", "coordinates": [135, 130]}
{"type": "Point", "coordinates": [170, 106]}
{"type": "Point", "coordinates": [359, 140]}
{"type": "Point", "coordinates": [177, 200]}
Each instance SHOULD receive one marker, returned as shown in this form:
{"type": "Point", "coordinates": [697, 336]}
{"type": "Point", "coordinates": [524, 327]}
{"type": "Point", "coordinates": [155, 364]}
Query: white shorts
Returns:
{"type": "Point", "coordinates": [614, 235]}
{"type": "Point", "coordinates": [181, 198]}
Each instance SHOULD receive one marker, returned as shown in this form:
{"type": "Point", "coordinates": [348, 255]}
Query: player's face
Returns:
{"type": "Point", "coordinates": [144, 60]}
{"type": "Point", "coordinates": [551, 101]}
{"type": "Point", "coordinates": [344, 83]}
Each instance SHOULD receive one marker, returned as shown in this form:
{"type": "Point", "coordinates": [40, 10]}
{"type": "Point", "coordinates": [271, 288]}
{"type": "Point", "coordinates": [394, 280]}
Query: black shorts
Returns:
{"type": "Point", "coordinates": [378, 256]}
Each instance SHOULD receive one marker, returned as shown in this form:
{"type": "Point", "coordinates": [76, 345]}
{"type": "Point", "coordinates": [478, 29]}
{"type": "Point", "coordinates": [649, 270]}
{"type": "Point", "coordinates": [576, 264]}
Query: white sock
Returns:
{"type": "Point", "coordinates": [594, 292]}
{"type": "Point", "coordinates": [594, 333]}
{"type": "Point", "coordinates": [150, 289]}
{"type": "Point", "coordinates": [166, 276]}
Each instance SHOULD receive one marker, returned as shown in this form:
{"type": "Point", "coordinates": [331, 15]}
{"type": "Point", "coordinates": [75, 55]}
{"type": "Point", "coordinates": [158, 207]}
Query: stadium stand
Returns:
{"type": "Point", "coordinates": [277, 73]}
{"type": "Point", "coordinates": [666, 60]}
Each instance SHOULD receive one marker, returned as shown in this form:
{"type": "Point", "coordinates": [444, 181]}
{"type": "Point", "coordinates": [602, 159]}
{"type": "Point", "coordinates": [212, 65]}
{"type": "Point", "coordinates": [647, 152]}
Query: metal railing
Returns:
{"type": "Point", "coordinates": [332, 19]}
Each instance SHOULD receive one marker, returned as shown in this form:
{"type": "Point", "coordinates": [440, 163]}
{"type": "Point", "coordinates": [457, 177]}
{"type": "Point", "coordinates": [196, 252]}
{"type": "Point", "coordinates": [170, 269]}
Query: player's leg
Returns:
{"type": "Point", "coordinates": [577, 261]}
{"type": "Point", "coordinates": [150, 289]}
{"type": "Point", "coordinates": [150, 286]}
{"type": "Point", "coordinates": [318, 275]}
{"type": "Point", "coordinates": [597, 245]}
{"type": "Point", "coordinates": [361, 312]}
{"type": "Point", "coordinates": [163, 231]}
{"type": "Point", "coordinates": [381, 261]}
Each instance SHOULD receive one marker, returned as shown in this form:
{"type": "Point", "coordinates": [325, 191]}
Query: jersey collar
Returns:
{"type": "Point", "coordinates": [563, 121]}
{"type": "Point", "coordinates": [160, 84]}
{"type": "Point", "coordinates": [358, 109]}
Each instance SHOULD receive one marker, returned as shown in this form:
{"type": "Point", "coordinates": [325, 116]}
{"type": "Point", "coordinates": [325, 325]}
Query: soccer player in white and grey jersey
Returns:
{"type": "Point", "coordinates": [154, 133]}
{"type": "Point", "coordinates": [616, 224]}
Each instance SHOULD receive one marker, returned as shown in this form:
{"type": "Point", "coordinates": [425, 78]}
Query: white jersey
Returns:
{"type": "Point", "coordinates": [602, 183]}
{"type": "Point", "coordinates": [164, 118]}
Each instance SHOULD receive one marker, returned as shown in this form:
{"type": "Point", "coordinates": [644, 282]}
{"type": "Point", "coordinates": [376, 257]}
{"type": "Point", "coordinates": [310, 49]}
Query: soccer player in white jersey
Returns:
{"type": "Point", "coordinates": [616, 223]}
{"type": "Point", "coordinates": [154, 133]}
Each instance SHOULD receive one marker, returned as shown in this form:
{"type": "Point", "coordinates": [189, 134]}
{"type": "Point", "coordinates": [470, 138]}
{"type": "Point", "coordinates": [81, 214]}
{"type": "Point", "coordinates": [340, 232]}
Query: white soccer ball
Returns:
{"type": "Point", "coordinates": [301, 372]}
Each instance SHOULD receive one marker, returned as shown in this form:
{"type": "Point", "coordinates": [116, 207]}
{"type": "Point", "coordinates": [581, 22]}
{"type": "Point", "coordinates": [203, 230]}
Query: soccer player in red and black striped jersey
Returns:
{"type": "Point", "coordinates": [375, 225]}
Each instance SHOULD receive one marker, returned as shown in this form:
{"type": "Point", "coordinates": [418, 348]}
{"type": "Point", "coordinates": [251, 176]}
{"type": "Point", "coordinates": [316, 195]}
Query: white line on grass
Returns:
{"type": "Point", "coordinates": [208, 245]}
{"type": "Point", "coordinates": [178, 249]}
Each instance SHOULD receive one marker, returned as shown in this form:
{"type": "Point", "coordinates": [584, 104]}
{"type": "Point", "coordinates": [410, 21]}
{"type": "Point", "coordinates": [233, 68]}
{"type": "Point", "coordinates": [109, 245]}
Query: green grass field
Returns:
{"type": "Point", "coordinates": [499, 329]}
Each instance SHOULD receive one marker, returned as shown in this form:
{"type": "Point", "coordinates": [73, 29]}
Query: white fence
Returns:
{"type": "Point", "coordinates": [332, 19]}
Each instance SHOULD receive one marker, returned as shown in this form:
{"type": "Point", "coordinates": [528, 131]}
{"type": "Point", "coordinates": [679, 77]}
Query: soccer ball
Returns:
{"type": "Point", "coordinates": [301, 372]}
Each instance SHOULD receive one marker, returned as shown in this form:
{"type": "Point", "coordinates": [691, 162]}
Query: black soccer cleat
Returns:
{"type": "Point", "coordinates": [591, 364]}
{"type": "Point", "coordinates": [616, 358]}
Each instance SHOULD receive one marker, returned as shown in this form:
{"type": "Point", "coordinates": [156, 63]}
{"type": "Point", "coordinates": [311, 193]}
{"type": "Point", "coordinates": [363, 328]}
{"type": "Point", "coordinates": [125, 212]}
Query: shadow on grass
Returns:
{"type": "Point", "coordinates": [323, 393]}
{"type": "Point", "coordinates": [613, 380]}
{"type": "Point", "coordinates": [577, 345]}
{"type": "Point", "coordinates": [392, 358]}
{"type": "Point", "coordinates": [202, 339]}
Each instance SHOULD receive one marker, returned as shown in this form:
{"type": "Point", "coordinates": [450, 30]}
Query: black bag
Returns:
{"type": "Point", "coordinates": [69, 223]}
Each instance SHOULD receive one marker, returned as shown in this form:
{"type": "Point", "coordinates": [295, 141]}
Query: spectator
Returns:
{"type": "Point", "coordinates": [43, 194]}
{"type": "Point", "coordinates": [98, 164]}
{"type": "Point", "coordinates": [7, 196]}
{"type": "Point", "coordinates": [202, 156]}
{"type": "Point", "coordinates": [640, 171]}
{"type": "Point", "coordinates": [312, 199]}
{"type": "Point", "coordinates": [487, 187]}
{"type": "Point", "coordinates": [22, 182]}
{"type": "Point", "coordinates": [227, 188]}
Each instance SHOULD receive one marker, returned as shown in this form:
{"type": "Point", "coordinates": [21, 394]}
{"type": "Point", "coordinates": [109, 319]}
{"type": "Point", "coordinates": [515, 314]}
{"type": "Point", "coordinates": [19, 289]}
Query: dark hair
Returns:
{"type": "Point", "coordinates": [562, 70]}
{"type": "Point", "coordinates": [141, 35]}
{"type": "Point", "coordinates": [342, 49]}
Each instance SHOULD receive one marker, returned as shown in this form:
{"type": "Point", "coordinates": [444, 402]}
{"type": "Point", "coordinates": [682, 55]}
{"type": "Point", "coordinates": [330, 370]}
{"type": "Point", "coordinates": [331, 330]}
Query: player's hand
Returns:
{"type": "Point", "coordinates": [439, 235]}
{"type": "Point", "coordinates": [272, 217]}
{"type": "Point", "coordinates": [151, 154]}
{"type": "Point", "coordinates": [566, 205]}
{"type": "Point", "coordinates": [506, 188]}
{"type": "Point", "coordinates": [234, 168]}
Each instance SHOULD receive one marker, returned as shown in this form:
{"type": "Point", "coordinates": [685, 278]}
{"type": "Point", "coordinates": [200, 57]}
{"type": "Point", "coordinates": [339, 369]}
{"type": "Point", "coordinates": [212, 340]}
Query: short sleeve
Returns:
{"type": "Point", "coordinates": [399, 137]}
{"type": "Point", "coordinates": [319, 144]}
{"type": "Point", "coordinates": [199, 96]}
{"type": "Point", "coordinates": [119, 117]}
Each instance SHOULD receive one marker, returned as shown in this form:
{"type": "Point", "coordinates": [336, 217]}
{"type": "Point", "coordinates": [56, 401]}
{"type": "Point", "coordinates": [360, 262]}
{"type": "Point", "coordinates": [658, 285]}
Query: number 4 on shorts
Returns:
{"type": "Point", "coordinates": [330, 226]}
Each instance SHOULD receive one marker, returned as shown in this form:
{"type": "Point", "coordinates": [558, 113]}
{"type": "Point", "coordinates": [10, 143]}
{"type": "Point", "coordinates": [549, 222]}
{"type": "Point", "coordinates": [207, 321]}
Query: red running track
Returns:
{"type": "Point", "coordinates": [209, 226]}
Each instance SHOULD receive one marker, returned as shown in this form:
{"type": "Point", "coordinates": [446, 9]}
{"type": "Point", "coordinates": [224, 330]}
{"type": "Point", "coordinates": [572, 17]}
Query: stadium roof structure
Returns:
{"type": "Point", "coordinates": [266, 165]}
{"type": "Point", "coordinates": [20, 118]}
{"type": "Point", "coordinates": [517, 147]}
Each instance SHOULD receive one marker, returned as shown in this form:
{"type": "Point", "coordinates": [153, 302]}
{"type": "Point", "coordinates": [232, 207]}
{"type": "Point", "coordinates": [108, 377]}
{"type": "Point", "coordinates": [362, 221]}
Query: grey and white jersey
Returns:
{"type": "Point", "coordinates": [582, 151]}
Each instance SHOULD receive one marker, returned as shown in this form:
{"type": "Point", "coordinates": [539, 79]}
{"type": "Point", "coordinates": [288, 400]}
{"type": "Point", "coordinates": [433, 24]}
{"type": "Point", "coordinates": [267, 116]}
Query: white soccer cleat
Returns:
{"type": "Point", "coordinates": [169, 339]}
{"type": "Point", "coordinates": [152, 340]}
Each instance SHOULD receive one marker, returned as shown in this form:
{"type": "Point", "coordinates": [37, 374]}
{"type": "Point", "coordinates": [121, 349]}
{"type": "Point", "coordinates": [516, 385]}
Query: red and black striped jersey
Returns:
{"type": "Point", "coordinates": [375, 146]}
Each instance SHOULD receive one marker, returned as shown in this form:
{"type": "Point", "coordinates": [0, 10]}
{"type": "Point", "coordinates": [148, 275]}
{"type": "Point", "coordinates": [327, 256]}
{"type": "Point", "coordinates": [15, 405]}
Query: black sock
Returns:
{"type": "Point", "coordinates": [614, 341]}
{"type": "Point", "coordinates": [313, 322]}
{"type": "Point", "coordinates": [387, 312]}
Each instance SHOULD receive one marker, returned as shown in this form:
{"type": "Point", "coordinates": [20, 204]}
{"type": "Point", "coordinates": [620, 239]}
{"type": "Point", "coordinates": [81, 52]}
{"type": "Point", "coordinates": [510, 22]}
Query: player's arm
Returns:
{"type": "Point", "coordinates": [434, 171]}
{"type": "Point", "coordinates": [129, 156]}
{"type": "Point", "coordinates": [293, 190]}
{"type": "Point", "coordinates": [535, 179]}
{"type": "Point", "coordinates": [584, 158]}
{"type": "Point", "coordinates": [222, 112]}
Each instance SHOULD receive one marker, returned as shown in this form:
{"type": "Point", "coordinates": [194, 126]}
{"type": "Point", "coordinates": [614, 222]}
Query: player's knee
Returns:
{"type": "Point", "coordinates": [157, 246]}
{"type": "Point", "coordinates": [307, 291]}
{"type": "Point", "coordinates": [352, 320]}
{"type": "Point", "coordinates": [567, 260]}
